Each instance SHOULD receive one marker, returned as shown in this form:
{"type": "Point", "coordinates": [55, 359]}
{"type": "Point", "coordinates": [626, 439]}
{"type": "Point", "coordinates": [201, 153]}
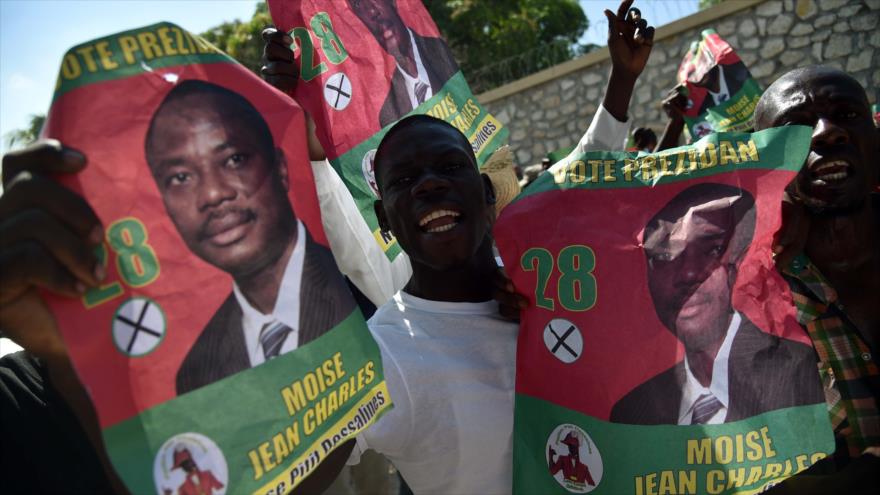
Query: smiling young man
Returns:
{"type": "Point", "coordinates": [449, 357]}
{"type": "Point", "coordinates": [836, 279]}
{"type": "Point", "coordinates": [224, 185]}
{"type": "Point", "coordinates": [447, 354]}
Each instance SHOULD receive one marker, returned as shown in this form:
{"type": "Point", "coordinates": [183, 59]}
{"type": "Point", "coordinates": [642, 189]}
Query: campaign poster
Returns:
{"type": "Point", "coordinates": [660, 352]}
{"type": "Point", "coordinates": [365, 64]}
{"type": "Point", "coordinates": [721, 92]}
{"type": "Point", "coordinates": [223, 351]}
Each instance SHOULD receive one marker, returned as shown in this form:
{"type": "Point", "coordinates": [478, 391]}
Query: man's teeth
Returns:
{"type": "Point", "coordinates": [826, 166]}
{"type": "Point", "coordinates": [442, 228]}
{"type": "Point", "coordinates": [434, 215]}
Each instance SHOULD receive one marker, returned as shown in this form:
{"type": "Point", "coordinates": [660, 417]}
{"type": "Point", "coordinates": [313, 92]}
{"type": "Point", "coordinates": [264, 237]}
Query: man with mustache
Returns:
{"type": "Point", "coordinates": [224, 185]}
{"type": "Point", "coordinates": [732, 370]}
{"type": "Point", "coordinates": [423, 64]}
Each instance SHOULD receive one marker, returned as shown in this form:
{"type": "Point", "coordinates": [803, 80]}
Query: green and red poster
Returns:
{"type": "Point", "coordinates": [223, 352]}
{"type": "Point", "coordinates": [364, 64]}
{"type": "Point", "coordinates": [721, 92]}
{"type": "Point", "coordinates": [660, 352]}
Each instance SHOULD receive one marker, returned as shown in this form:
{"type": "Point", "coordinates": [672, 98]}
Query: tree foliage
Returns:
{"type": "Point", "coordinates": [241, 39]}
{"type": "Point", "coordinates": [495, 40]}
{"type": "Point", "coordinates": [705, 4]}
{"type": "Point", "coordinates": [23, 137]}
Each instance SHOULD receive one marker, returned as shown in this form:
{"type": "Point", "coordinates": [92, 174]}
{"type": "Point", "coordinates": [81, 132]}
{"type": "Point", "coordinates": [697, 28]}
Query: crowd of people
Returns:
{"type": "Point", "coordinates": [454, 317]}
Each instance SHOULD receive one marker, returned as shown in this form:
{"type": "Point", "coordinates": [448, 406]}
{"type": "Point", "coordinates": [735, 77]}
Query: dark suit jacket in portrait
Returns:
{"type": "Point", "coordinates": [440, 66]}
{"type": "Point", "coordinates": [221, 351]}
{"type": "Point", "coordinates": [765, 373]}
{"type": "Point", "coordinates": [735, 75]}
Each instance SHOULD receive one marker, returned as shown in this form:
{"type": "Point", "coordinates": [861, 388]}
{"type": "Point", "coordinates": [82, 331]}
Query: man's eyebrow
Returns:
{"type": "Point", "coordinates": [169, 162]}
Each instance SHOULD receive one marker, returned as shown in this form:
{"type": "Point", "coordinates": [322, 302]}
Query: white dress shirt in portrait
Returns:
{"type": "Point", "coordinates": [723, 93]}
{"type": "Point", "coordinates": [421, 77]}
{"type": "Point", "coordinates": [693, 389]}
{"type": "Point", "coordinates": [286, 305]}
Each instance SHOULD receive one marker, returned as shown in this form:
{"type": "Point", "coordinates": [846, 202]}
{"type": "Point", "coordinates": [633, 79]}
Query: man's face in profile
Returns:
{"type": "Point", "coordinates": [382, 19]}
{"type": "Point", "coordinates": [225, 193]}
{"type": "Point", "coordinates": [689, 273]}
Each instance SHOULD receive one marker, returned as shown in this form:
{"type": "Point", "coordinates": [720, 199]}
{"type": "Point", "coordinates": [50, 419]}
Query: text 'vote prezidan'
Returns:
{"type": "Point", "coordinates": [660, 353]}
{"type": "Point", "coordinates": [223, 351]}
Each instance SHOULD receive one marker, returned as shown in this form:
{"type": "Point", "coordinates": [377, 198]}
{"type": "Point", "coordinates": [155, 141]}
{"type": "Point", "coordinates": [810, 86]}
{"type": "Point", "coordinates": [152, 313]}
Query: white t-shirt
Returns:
{"type": "Point", "coordinates": [450, 370]}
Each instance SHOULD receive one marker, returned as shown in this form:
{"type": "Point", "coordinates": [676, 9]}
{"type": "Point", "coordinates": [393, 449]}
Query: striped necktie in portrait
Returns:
{"type": "Point", "coordinates": [271, 337]}
{"type": "Point", "coordinates": [704, 408]}
{"type": "Point", "coordinates": [421, 91]}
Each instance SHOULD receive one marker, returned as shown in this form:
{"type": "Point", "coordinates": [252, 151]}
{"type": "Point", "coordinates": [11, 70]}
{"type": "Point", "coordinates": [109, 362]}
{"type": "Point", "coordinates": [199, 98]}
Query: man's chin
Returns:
{"type": "Point", "coordinates": [831, 210]}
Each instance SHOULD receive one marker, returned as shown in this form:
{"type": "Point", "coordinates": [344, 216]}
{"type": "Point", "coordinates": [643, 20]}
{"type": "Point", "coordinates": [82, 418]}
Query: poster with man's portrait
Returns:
{"type": "Point", "coordinates": [364, 65]}
{"type": "Point", "coordinates": [721, 92]}
{"type": "Point", "coordinates": [223, 350]}
{"type": "Point", "coordinates": [661, 346]}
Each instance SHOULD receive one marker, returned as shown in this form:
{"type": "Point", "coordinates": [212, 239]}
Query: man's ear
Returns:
{"type": "Point", "coordinates": [281, 168]}
{"type": "Point", "coordinates": [379, 209]}
{"type": "Point", "coordinates": [490, 189]}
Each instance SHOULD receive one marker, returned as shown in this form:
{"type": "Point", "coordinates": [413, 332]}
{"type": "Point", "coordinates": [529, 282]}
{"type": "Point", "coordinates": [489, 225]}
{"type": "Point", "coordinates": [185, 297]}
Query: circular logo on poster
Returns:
{"type": "Point", "coordinates": [564, 340]}
{"type": "Point", "coordinates": [573, 459]}
{"type": "Point", "coordinates": [337, 91]}
{"type": "Point", "coordinates": [368, 168]}
{"type": "Point", "coordinates": [190, 463]}
{"type": "Point", "coordinates": [702, 129]}
{"type": "Point", "coordinates": [138, 326]}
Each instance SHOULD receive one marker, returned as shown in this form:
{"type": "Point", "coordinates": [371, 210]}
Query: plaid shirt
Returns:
{"type": "Point", "coordinates": [849, 371]}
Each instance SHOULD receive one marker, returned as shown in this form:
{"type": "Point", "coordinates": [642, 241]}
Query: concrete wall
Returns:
{"type": "Point", "coordinates": [551, 109]}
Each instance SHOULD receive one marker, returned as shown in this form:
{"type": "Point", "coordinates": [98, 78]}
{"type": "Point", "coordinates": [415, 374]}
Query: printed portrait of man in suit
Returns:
{"type": "Point", "coordinates": [731, 369]}
{"type": "Point", "coordinates": [424, 64]}
{"type": "Point", "coordinates": [721, 82]}
{"type": "Point", "coordinates": [225, 187]}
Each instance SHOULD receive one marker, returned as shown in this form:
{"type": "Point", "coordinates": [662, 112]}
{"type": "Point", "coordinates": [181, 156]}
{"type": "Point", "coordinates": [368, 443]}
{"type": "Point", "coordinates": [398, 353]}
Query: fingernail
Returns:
{"type": "Point", "coordinates": [80, 288]}
{"type": "Point", "coordinates": [73, 157]}
{"type": "Point", "coordinates": [778, 249]}
{"type": "Point", "coordinates": [96, 235]}
{"type": "Point", "coordinates": [100, 272]}
{"type": "Point", "coordinates": [509, 287]}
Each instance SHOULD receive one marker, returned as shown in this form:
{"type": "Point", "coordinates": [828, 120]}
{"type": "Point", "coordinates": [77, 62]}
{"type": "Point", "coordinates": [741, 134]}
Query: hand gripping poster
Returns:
{"type": "Point", "coordinates": [365, 64]}
{"type": "Point", "coordinates": [224, 352]}
{"type": "Point", "coordinates": [721, 92]}
{"type": "Point", "coordinates": [660, 352]}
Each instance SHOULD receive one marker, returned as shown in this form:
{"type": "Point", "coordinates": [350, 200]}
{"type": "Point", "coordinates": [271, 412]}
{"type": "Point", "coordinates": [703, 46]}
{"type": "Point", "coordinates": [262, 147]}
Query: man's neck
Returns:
{"type": "Point", "coordinates": [261, 287]}
{"type": "Point", "coordinates": [471, 282]}
{"type": "Point", "coordinates": [702, 361]}
{"type": "Point", "coordinates": [404, 53]}
{"type": "Point", "coordinates": [846, 250]}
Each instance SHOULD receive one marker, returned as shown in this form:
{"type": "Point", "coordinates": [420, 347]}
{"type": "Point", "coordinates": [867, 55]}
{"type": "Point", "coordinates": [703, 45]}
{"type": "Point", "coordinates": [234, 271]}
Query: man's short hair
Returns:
{"type": "Point", "coordinates": [742, 213]}
{"type": "Point", "coordinates": [404, 124]}
{"type": "Point", "coordinates": [230, 105]}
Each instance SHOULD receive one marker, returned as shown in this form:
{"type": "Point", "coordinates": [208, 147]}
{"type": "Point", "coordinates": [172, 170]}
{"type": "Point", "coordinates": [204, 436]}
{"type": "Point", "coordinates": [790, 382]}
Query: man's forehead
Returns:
{"type": "Point", "coordinates": [809, 88]}
{"type": "Point", "coordinates": [709, 219]}
{"type": "Point", "coordinates": [424, 140]}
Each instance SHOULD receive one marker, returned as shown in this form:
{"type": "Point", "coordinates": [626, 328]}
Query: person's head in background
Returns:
{"type": "Point", "coordinates": [644, 139]}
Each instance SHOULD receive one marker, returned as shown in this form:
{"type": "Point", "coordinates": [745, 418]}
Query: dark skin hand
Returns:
{"type": "Point", "coordinates": [674, 105]}
{"type": "Point", "coordinates": [630, 40]}
{"type": "Point", "coordinates": [282, 72]}
{"type": "Point", "coordinates": [47, 239]}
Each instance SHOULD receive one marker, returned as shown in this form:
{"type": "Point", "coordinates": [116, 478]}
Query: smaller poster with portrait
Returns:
{"type": "Point", "coordinates": [660, 351]}
{"type": "Point", "coordinates": [223, 352]}
{"type": "Point", "coordinates": [364, 65]}
{"type": "Point", "coordinates": [721, 92]}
